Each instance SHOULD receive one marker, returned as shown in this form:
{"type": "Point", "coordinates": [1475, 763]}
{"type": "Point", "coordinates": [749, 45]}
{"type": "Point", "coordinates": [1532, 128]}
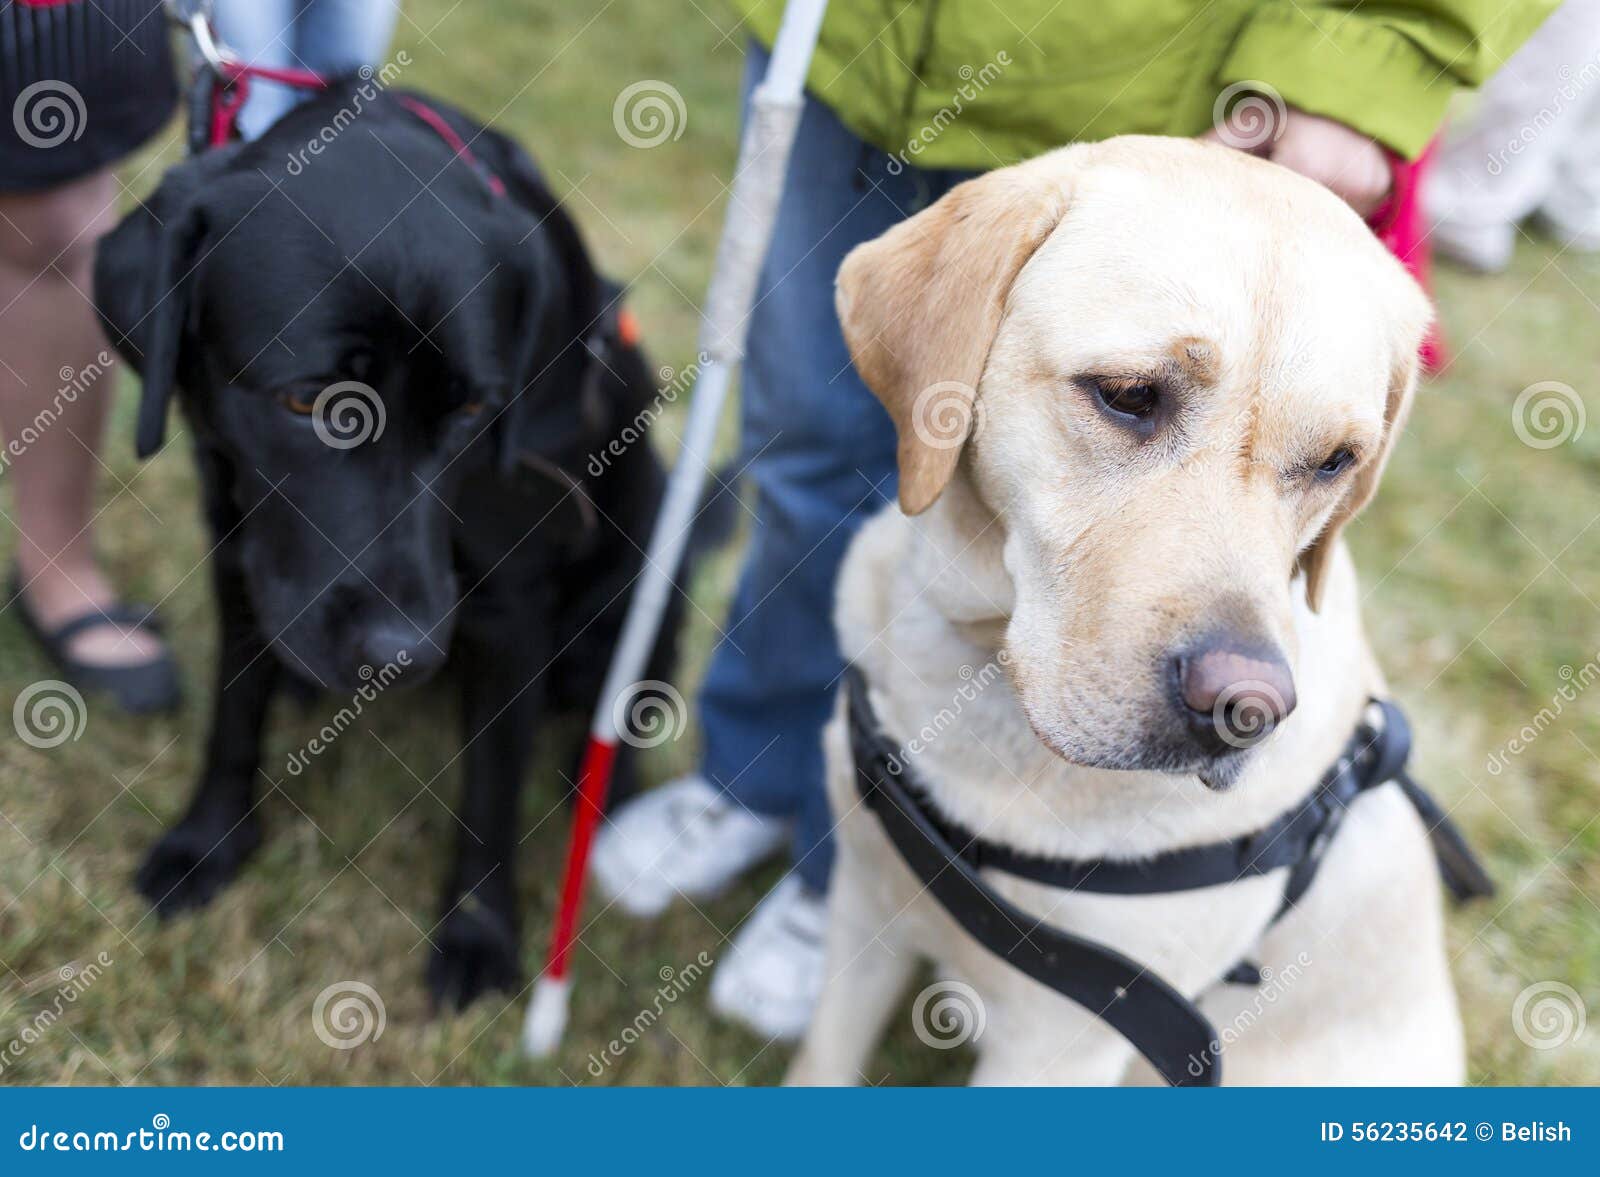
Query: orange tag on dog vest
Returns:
{"type": "Point", "coordinates": [627, 328]}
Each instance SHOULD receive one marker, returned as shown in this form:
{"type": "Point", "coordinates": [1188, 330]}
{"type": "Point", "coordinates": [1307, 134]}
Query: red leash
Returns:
{"type": "Point", "coordinates": [1401, 225]}
{"type": "Point", "coordinates": [230, 88]}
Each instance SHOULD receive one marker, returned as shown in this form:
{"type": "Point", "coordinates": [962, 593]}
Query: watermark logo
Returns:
{"type": "Point", "coordinates": [1249, 115]}
{"type": "Point", "coordinates": [1569, 92]}
{"type": "Point", "coordinates": [74, 382]}
{"type": "Point", "coordinates": [1246, 712]}
{"type": "Point", "coordinates": [973, 683]}
{"type": "Point", "coordinates": [674, 383]}
{"type": "Point", "coordinates": [1275, 984]}
{"type": "Point", "coordinates": [946, 414]}
{"type": "Point", "coordinates": [1549, 1014]}
{"type": "Point", "coordinates": [348, 1014]}
{"type": "Point", "coordinates": [649, 113]}
{"type": "Point", "coordinates": [1574, 681]}
{"type": "Point", "coordinates": [973, 83]}
{"type": "Point", "coordinates": [374, 683]}
{"type": "Point", "coordinates": [674, 984]}
{"type": "Point", "coordinates": [1548, 414]}
{"type": "Point", "coordinates": [348, 414]}
{"type": "Point", "coordinates": [48, 713]}
{"type": "Point", "coordinates": [48, 113]}
{"type": "Point", "coordinates": [373, 83]}
{"type": "Point", "coordinates": [948, 1014]}
{"type": "Point", "coordinates": [649, 713]}
{"type": "Point", "coordinates": [74, 981]}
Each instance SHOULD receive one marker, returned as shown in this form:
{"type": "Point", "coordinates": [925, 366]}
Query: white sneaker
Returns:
{"type": "Point", "coordinates": [685, 837]}
{"type": "Point", "coordinates": [771, 975]}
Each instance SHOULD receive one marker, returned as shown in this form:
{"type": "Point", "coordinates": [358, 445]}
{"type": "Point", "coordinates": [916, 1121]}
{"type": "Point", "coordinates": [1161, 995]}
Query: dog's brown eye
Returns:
{"type": "Point", "coordinates": [1336, 463]}
{"type": "Point", "coordinates": [472, 408]}
{"type": "Point", "coordinates": [297, 403]}
{"type": "Point", "coordinates": [1127, 397]}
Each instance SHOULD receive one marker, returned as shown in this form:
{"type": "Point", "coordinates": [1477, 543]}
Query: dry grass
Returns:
{"type": "Point", "coordinates": [1480, 558]}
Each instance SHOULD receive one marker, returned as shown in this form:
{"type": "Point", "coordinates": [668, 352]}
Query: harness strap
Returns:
{"type": "Point", "coordinates": [1163, 1025]}
{"type": "Point", "coordinates": [1376, 755]}
{"type": "Point", "coordinates": [463, 151]}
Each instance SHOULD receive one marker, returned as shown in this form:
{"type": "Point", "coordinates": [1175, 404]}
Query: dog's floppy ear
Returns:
{"type": "Point", "coordinates": [921, 304]}
{"type": "Point", "coordinates": [142, 279]}
{"type": "Point", "coordinates": [563, 301]}
{"type": "Point", "coordinates": [1318, 557]}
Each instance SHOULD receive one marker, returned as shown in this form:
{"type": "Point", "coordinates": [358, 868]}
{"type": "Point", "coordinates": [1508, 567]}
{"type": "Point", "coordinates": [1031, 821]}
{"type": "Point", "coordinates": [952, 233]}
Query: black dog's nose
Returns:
{"type": "Point", "coordinates": [1234, 692]}
{"type": "Point", "coordinates": [397, 650]}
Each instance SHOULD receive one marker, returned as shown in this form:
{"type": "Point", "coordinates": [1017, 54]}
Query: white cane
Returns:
{"type": "Point", "coordinates": [769, 133]}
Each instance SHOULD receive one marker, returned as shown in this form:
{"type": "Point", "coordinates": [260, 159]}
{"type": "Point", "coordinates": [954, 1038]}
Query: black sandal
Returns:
{"type": "Point", "coordinates": [142, 689]}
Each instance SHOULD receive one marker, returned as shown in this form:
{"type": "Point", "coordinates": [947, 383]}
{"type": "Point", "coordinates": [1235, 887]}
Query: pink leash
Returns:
{"type": "Point", "coordinates": [1401, 226]}
{"type": "Point", "coordinates": [230, 87]}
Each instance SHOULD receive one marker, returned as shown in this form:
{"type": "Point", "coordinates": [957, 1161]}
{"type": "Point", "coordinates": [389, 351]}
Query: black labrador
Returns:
{"type": "Point", "coordinates": [404, 380]}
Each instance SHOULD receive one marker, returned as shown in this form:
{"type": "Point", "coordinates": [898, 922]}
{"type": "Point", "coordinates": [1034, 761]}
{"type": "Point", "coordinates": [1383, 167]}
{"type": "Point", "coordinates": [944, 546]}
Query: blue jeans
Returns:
{"type": "Point", "coordinates": [822, 459]}
{"type": "Point", "coordinates": [326, 36]}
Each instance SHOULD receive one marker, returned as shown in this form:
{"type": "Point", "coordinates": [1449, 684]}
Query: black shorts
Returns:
{"type": "Point", "coordinates": [82, 84]}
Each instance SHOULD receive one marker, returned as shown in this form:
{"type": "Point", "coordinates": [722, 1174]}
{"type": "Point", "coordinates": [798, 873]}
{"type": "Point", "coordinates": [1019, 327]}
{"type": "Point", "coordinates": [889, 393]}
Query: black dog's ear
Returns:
{"type": "Point", "coordinates": [142, 280]}
{"type": "Point", "coordinates": [543, 412]}
{"type": "Point", "coordinates": [143, 274]}
{"type": "Point", "coordinates": [561, 310]}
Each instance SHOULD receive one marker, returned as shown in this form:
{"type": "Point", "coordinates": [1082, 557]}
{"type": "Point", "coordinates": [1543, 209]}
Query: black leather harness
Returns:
{"type": "Point", "coordinates": [1161, 1023]}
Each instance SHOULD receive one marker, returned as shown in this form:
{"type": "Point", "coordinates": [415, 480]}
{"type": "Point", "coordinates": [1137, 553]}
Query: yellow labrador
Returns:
{"type": "Point", "coordinates": [1140, 386]}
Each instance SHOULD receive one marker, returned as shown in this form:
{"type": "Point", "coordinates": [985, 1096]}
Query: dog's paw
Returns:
{"type": "Point", "coordinates": [475, 951]}
{"type": "Point", "coordinates": [194, 861]}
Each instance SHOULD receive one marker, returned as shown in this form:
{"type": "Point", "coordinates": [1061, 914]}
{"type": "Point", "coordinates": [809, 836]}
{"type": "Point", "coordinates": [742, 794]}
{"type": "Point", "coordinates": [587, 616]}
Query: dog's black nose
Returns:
{"type": "Point", "coordinates": [1233, 692]}
{"type": "Point", "coordinates": [397, 650]}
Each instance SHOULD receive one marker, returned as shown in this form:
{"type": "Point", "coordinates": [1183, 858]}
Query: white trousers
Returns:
{"type": "Point", "coordinates": [1533, 141]}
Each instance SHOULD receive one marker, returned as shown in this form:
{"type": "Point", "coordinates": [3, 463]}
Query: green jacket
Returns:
{"type": "Point", "coordinates": [980, 83]}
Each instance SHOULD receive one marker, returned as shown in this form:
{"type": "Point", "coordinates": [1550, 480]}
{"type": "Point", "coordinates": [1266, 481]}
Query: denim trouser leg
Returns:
{"type": "Point", "coordinates": [821, 452]}
{"type": "Point", "coordinates": [325, 36]}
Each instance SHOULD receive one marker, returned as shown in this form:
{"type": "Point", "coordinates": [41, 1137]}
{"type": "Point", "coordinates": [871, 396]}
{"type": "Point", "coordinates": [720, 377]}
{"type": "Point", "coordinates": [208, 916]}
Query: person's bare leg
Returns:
{"type": "Point", "coordinates": [47, 326]}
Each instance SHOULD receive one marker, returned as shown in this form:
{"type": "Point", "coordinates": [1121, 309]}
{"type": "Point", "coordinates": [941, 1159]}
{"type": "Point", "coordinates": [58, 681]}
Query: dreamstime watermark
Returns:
{"type": "Point", "coordinates": [159, 1137]}
{"type": "Point", "coordinates": [1249, 115]}
{"type": "Point", "coordinates": [348, 414]}
{"type": "Point", "coordinates": [649, 113]}
{"type": "Point", "coordinates": [948, 1014]}
{"type": "Point", "coordinates": [373, 83]}
{"type": "Point", "coordinates": [973, 683]}
{"type": "Point", "coordinates": [674, 383]}
{"type": "Point", "coordinates": [1246, 712]}
{"type": "Point", "coordinates": [1548, 414]}
{"type": "Point", "coordinates": [1573, 684]}
{"type": "Point", "coordinates": [74, 383]}
{"type": "Point", "coordinates": [1549, 1014]}
{"type": "Point", "coordinates": [348, 1014]}
{"type": "Point", "coordinates": [946, 415]}
{"type": "Point", "coordinates": [674, 984]}
{"type": "Point", "coordinates": [73, 982]}
{"type": "Point", "coordinates": [1567, 94]}
{"type": "Point", "coordinates": [48, 713]}
{"type": "Point", "coordinates": [649, 713]}
{"type": "Point", "coordinates": [377, 681]}
{"type": "Point", "coordinates": [1275, 984]}
{"type": "Point", "coordinates": [48, 113]}
{"type": "Point", "coordinates": [973, 83]}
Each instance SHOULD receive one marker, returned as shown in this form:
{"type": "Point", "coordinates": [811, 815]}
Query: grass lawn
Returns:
{"type": "Point", "coordinates": [1481, 562]}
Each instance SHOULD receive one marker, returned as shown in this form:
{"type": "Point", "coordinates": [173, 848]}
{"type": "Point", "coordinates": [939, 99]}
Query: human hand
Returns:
{"type": "Point", "coordinates": [1340, 158]}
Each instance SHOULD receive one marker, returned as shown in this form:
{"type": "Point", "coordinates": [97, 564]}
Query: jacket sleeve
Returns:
{"type": "Point", "coordinates": [1386, 69]}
